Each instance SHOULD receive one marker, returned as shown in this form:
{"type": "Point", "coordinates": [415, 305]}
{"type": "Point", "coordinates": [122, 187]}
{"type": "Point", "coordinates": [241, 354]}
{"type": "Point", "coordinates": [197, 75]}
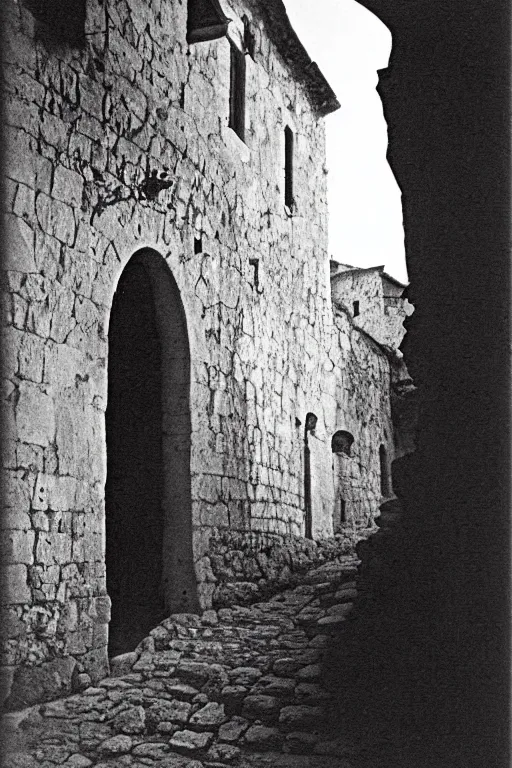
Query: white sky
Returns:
{"type": "Point", "coordinates": [349, 44]}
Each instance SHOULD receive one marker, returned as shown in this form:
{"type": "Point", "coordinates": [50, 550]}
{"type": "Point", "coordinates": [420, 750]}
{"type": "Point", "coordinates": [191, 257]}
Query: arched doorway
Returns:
{"type": "Point", "coordinates": [149, 559]}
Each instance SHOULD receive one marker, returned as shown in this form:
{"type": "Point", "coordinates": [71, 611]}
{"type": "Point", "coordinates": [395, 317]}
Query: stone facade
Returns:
{"type": "Point", "coordinates": [374, 299]}
{"type": "Point", "coordinates": [118, 152]}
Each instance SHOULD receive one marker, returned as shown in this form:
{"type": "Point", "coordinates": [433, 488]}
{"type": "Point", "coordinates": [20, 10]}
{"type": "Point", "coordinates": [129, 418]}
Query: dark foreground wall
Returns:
{"type": "Point", "coordinates": [445, 97]}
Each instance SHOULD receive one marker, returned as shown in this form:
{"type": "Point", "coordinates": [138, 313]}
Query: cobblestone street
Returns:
{"type": "Point", "coordinates": [240, 686]}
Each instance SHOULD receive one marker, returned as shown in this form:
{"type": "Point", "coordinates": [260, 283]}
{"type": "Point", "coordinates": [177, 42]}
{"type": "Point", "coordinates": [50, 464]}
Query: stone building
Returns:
{"type": "Point", "coordinates": [175, 377]}
{"type": "Point", "coordinates": [375, 301]}
{"type": "Point", "coordinates": [368, 314]}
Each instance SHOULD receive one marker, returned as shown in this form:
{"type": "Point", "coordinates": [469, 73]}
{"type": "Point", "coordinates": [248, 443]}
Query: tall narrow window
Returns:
{"type": "Point", "coordinates": [384, 472]}
{"type": "Point", "coordinates": [309, 428]}
{"type": "Point", "coordinates": [288, 167]}
{"type": "Point", "coordinates": [355, 305]}
{"type": "Point", "coordinates": [237, 93]}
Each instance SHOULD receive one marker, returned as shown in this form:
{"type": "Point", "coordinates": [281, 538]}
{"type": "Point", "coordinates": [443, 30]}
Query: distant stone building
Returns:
{"type": "Point", "coordinates": [176, 380]}
{"type": "Point", "coordinates": [374, 299]}
{"type": "Point", "coordinates": [368, 313]}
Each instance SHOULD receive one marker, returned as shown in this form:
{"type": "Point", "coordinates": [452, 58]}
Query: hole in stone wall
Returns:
{"type": "Point", "coordinates": [355, 307]}
{"type": "Point", "coordinates": [198, 244]}
{"type": "Point", "coordinates": [341, 442]}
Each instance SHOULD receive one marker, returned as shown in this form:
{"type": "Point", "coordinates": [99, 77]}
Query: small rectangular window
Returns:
{"type": "Point", "coordinates": [237, 93]}
{"type": "Point", "coordinates": [255, 264]}
{"type": "Point", "coordinates": [288, 168]}
{"type": "Point", "coordinates": [356, 308]}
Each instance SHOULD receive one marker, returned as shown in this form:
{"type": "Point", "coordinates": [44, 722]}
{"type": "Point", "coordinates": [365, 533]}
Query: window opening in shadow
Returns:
{"type": "Point", "coordinates": [385, 485]}
{"type": "Point", "coordinates": [342, 442]}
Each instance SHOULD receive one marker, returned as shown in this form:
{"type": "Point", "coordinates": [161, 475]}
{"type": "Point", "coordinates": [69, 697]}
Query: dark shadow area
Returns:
{"type": "Point", "coordinates": [422, 668]}
{"type": "Point", "coordinates": [134, 488]}
{"type": "Point", "coordinates": [149, 551]}
{"type": "Point", "coordinates": [149, 557]}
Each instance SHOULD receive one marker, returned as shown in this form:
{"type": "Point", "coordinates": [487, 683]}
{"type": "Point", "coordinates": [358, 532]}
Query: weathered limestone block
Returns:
{"type": "Point", "coordinates": [18, 547]}
{"type": "Point", "coordinates": [130, 721]}
{"type": "Point", "coordinates": [19, 156]}
{"type": "Point", "coordinates": [212, 715]}
{"type": "Point", "coordinates": [41, 683]}
{"type": "Point", "coordinates": [67, 186]}
{"type": "Point", "coordinates": [56, 218]}
{"type": "Point", "coordinates": [54, 492]}
{"type": "Point", "coordinates": [15, 589]}
{"type": "Point", "coordinates": [189, 742]}
{"type": "Point", "coordinates": [116, 745]}
{"type": "Point", "coordinates": [260, 707]}
{"type": "Point", "coordinates": [173, 711]}
{"type": "Point", "coordinates": [16, 495]}
{"type": "Point", "coordinates": [53, 548]}
{"type": "Point", "coordinates": [35, 415]}
{"type": "Point", "coordinates": [19, 245]}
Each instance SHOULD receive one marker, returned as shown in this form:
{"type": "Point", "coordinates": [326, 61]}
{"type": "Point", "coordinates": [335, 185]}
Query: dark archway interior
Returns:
{"type": "Point", "coordinates": [134, 488]}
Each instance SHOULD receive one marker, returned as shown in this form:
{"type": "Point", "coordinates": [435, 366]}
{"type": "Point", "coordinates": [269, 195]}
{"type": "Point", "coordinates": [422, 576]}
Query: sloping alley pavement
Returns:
{"type": "Point", "coordinates": [240, 686]}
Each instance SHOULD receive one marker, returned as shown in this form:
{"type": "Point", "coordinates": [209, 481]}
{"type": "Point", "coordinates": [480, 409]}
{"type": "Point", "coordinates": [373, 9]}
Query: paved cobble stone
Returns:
{"type": "Point", "coordinates": [239, 686]}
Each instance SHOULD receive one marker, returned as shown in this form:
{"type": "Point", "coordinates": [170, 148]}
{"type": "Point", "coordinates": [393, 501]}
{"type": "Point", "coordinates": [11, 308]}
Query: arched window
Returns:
{"type": "Point", "coordinates": [311, 422]}
{"type": "Point", "coordinates": [342, 442]}
{"type": "Point", "coordinates": [385, 488]}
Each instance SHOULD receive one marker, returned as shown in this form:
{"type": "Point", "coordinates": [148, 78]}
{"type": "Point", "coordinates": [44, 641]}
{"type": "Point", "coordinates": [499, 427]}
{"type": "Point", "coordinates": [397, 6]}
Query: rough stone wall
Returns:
{"type": "Point", "coordinates": [121, 145]}
{"type": "Point", "coordinates": [364, 286]}
{"type": "Point", "coordinates": [250, 567]}
{"type": "Point", "coordinates": [363, 398]}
